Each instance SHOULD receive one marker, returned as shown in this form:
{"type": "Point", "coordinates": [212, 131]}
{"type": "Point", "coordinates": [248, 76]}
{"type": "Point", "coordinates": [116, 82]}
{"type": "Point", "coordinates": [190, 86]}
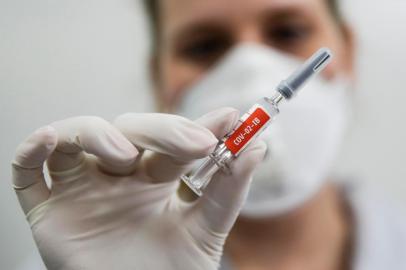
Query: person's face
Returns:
{"type": "Point", "coordinates": [195, 34]}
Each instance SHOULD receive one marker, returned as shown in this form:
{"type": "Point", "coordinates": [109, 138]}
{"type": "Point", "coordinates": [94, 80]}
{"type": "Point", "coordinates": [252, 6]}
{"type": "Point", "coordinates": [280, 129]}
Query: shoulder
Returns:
{"type": "Point", "coordinates": [380, 228]}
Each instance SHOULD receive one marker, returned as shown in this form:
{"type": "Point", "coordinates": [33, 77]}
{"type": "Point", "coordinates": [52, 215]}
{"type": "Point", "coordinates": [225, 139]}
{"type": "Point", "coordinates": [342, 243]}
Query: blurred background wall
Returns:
{"type": "Point", "coordinates": [87, 57]}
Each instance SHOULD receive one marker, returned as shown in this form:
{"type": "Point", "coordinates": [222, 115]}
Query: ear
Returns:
{"type": "Point", "coordinates": [349, 49]}
{"type": "Point", "coordinates": [154, 70]}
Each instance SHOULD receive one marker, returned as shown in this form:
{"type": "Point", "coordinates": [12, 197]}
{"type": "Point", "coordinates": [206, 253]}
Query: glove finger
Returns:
{"type": "Point", "coordinates": [178, 142]}
{"type": "Point", "coordinates": [94, 136]}
{"type": "Point", "coordinates": [223, 198]}
{"type": "Point", "coordinates": [27, 167]}
{"type": "Point", "coordinates": [220, 121]}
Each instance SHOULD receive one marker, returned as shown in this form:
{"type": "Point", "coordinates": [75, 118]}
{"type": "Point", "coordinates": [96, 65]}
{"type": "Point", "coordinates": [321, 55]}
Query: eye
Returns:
{"type": "Point", "coordinates": [288, 36]}
{"type": "Point", "coordinates": [204, 50]}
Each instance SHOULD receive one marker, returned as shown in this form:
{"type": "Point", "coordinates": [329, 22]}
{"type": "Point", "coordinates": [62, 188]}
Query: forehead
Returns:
{"type": "Point", "coordinates": [178, 13]}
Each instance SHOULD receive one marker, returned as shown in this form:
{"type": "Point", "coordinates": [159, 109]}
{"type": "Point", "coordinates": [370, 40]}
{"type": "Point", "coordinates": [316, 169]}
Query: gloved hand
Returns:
{"type": "Point", "coordinates": [113, 202]}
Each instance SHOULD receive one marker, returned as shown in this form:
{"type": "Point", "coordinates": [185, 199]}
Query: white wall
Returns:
{"type": "Point", "coordinates": [377, 148]}
{"type": "Point", "coordinates": [60, 59]}
{"type": "Point", "coordinates": [76, 57]}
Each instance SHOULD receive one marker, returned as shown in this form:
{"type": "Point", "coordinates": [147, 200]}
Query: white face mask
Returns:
{"type": "Point", "coordinates": [302, 142]}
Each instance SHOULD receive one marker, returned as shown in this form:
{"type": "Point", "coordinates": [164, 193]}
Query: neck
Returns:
{"type": "Point", "coordinates": [315, 235]}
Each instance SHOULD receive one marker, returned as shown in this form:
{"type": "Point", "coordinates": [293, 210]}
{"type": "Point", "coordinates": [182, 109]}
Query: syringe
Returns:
{"type": "Point", "coordinates": [254, 122]}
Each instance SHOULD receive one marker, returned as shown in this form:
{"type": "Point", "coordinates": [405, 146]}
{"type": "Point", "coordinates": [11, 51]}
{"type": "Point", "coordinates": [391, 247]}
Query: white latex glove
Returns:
{"type": "Point", "coordinates": [113, 202]}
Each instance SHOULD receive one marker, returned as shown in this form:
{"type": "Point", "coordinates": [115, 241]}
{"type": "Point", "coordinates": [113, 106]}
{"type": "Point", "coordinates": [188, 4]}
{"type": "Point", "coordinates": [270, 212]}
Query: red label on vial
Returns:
{"type": "Point", "coordinates": [247, 130]}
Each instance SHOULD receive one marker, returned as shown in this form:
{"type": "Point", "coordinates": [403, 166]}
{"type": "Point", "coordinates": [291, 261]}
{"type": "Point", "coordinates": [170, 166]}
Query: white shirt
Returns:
{"type": "Point", "coordinates": [380, 231]}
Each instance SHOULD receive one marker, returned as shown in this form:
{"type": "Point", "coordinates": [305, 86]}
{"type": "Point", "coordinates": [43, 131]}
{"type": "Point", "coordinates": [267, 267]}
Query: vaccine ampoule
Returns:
{"type": "Point", "coordinates": [254, 122]}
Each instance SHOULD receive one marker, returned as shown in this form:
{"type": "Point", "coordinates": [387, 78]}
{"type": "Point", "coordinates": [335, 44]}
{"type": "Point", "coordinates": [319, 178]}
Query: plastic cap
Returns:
{"type": "Point", "coordinates": [316, 63]}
